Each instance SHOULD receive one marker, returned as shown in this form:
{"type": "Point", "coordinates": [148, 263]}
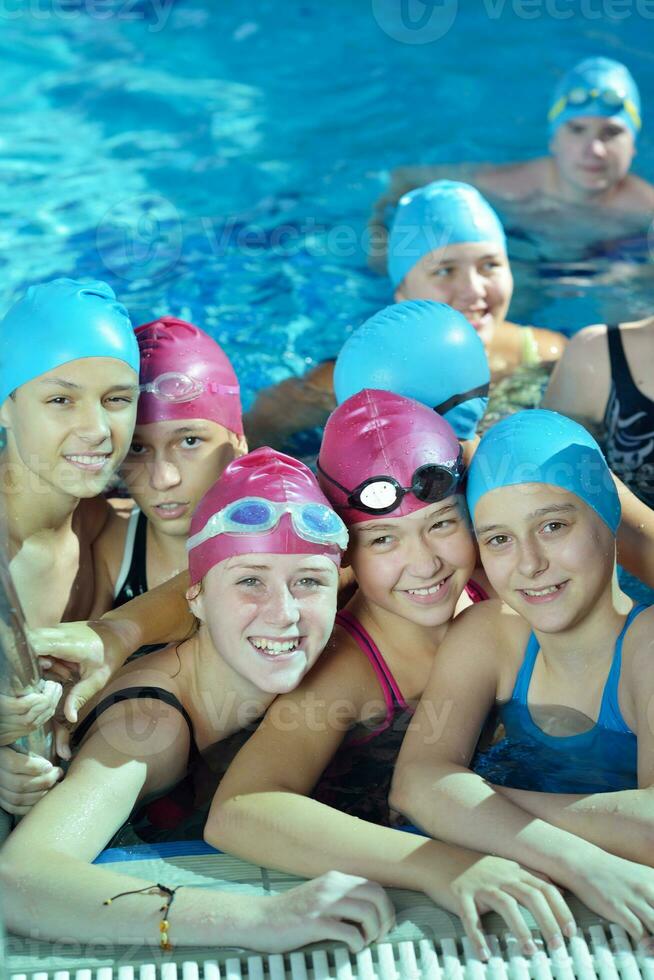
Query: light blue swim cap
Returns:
{"type": "Point", "coordinates": [596, 87]}
{"type": "Point", "coordinates": [445, 212]}
{"type": "Point", "coordinates": [60, 321]}
{"type": "Point", "coordinates": [421, 350]}
{"type": "Point", "coordinates": [539, 446]}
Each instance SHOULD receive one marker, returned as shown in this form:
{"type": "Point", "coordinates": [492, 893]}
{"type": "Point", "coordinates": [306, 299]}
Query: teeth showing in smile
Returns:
{"type": "Point", "coordinates": [87, 460]}
{"type": "Point", "coordinates": [275, 646]}
{"type": "Point", "coordinates": [548, 591]}
{"type": "Point", "coordinates": [168, 506]}
{"type": "Point", "coordinates": [432, 590]}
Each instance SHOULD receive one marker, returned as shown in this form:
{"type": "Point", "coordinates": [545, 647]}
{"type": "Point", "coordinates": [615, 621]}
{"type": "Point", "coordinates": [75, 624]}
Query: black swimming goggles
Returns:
{"type": "Point", "coordinates": [383, 494]}
{"type": "Point", "coordinates": [481, 391]}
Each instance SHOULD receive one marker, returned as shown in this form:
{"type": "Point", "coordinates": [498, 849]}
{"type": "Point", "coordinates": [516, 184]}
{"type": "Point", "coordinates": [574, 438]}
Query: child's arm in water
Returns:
{"type": "Point", "coordinates": [262, 811]}
{"type": "Point", "coordinates": [45, 863]}
{"type": "Point", "coordinates": [434, 787]}
{"type": "Point", "coordinates": [291, 406]}
{"type": "Point", "coordinates": [620, 822]}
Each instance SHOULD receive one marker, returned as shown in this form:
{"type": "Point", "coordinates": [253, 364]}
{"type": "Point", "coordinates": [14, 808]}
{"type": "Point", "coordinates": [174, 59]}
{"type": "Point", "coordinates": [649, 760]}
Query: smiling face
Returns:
{"type": "Point", "coordinates": [172, 464]}
{"type": "Point", "coordinates": [592, 154]}
{"type": "Point", "coordinates": [269, 616]}
{"type": "Point", "coordinates": [71, 427]}
{"type": "Point", "coordinates": [415, 566]}
{"type": "Point", "coordinates": [473, 277]}
{"type": "Point", "coordinates": [547, 554]}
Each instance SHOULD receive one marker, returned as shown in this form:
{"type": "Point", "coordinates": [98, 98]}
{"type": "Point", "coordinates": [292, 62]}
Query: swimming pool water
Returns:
{"type": "Point", "coordinates": [219, 162]}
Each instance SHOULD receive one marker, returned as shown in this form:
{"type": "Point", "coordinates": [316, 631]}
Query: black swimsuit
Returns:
{"type": "Point", "coordinates": [131, 694]}
{"type": "Point", "coordinates": [132, 578]}
{"type": "Point", "coordinates": [629, 425]}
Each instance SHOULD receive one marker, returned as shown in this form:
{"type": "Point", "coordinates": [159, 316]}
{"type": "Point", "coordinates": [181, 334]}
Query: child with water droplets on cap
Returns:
{"type": "Point", "coordinates": [566, 661]}
{"type": "Point", "coordinates": [264, 553]}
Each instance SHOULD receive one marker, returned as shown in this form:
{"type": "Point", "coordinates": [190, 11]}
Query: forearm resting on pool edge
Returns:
{"type": "Point", "coordinates": [456, 805]}
{"type": "Point", "coordinates": [620, 822]}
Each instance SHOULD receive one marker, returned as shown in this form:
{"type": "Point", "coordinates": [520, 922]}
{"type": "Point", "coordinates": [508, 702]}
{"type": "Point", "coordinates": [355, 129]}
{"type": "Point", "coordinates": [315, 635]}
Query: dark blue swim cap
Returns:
{"type": "Point", "coordinates": [445, 212]}
{"type": "Point", "coordinates": [421, 350]}
{"type": "Point", "coordinates": [539, 446]}
{"type": "Point", "coordinates": [60, 321]}
{"type": "Point", "coordinates": [596, 87]}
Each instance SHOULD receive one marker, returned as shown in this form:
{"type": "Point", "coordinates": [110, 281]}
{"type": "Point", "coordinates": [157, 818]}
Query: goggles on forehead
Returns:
{"type": "Point", "coordinates": [481, 391]}
{"type": "Point", "coordinates": [175, 387]}
{"type": "Point", "coordinates": [383, 494]}
{"type": "Point", "coordinates": [609, 97]}
{"type": "Point", "coordinates": [256, 515]}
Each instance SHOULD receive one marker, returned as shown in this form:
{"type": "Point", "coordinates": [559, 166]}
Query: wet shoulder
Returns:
{"type": "Point", "coordinates": [636, 193]}
{"type": "Point", "coordinates": [491, 628]}
{"type": "Point", "coordinates": [343, 669]}
{"type": "Point", "coordinates": [514, 180]}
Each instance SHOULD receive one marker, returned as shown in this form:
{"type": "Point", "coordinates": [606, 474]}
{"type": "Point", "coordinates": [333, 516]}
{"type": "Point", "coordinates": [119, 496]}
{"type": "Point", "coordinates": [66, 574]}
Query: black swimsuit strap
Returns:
{"type": "Point", "coordinates": [130, 694]}
{"type": "Point", "coordinates": [136, 580]}
{"type": "Point", "coordinates": [617, 356]}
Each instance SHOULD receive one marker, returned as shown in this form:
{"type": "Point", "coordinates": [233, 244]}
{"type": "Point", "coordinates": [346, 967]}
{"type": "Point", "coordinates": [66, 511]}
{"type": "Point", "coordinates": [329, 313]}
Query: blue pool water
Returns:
{"type": "Point", "coordinates": [219, 161]}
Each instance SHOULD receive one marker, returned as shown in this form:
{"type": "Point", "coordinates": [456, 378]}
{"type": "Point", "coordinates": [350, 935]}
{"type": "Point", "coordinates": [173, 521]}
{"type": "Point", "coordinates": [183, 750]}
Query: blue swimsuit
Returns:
{"type": "Point", "coordinates": [600, 760]}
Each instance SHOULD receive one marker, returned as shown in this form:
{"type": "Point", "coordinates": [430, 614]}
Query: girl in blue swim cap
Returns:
{"type": "Point", "coordinates": [447, 244]}
{"type": "Point", "coordinates": [566, 659]}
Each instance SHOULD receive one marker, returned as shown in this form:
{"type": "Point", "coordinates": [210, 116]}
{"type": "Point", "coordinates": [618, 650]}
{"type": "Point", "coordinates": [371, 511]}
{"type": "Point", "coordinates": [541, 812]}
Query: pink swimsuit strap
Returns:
{"type": "Point", "coordinates": [388, 684]}
{"type": "Point", "coordinates": [475, 591]}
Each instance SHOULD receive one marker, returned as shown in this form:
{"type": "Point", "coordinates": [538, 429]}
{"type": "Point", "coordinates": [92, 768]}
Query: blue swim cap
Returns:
{"type": "Point", "coordinates": [445, 212]}
{"type": "Point", "coordinates": [596, 87]}
{"type": "Point", "coordinates": [421, 350]}
{"type": "Point", "coordinates": [539, 446]}
{"type": "Point", "coordinates": [60, 321]}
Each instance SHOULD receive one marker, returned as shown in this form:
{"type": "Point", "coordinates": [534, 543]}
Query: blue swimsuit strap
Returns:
{"type": "Point", "coordinates": [610, 715]}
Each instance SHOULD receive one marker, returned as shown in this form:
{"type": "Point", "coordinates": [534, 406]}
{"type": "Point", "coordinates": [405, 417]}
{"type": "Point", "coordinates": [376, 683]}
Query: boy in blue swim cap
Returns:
{"type": "Point", "coordinates": [68, 392]}
{"type": "Point", "coordinates": [594, 118]}
{"type": "Point", "coordinates": [566, 659]}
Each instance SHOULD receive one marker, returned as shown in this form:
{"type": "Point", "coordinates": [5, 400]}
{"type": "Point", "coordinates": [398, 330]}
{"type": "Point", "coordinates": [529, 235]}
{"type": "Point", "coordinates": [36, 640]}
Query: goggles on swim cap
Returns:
{"type": "Point", "coordinates": [609, 97]}
{"type": "Point", "coordinates": [383, 494]}
{"type": "Point", "coordinates": [481, 391]}
{"type": "Point", "coordinates": [175, 388]}
{"type": "Point", "coordinates": [253, 515]}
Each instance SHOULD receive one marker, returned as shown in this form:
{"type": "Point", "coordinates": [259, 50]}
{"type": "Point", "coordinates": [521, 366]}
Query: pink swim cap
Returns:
{"type": "Point", "coordinates": [171, 346]}
{"type": "Point", "coordinates": [377, 434]}
{"type": "Point", "coordinates": [269, 476]}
